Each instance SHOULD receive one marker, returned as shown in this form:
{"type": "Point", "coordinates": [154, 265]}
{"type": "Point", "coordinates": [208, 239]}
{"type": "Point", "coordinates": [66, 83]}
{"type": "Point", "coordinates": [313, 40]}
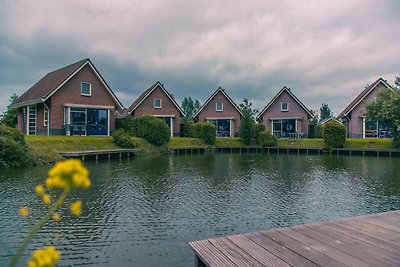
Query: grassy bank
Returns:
{"type": "Point", "coordinates": [46, 149]}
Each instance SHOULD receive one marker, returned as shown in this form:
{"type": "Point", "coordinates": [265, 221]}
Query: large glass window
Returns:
{"type": "Point", "coordinates": [377, 129]}
{"type": "Point", "coordinates": [78, 121]}
{"type": "Point", "coordinates": [223, 127]}
{"type": "Point", "coordinates": [284, 128]}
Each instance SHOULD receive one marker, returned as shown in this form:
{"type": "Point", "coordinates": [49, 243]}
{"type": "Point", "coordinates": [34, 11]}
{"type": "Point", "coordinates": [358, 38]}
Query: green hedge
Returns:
{"type": "Point", "coordinates": [123, 139]}
{"type": "Point", "coordinates": [205, 131]}
{"type": "Point", "coordinates": [125, 123]}
{"type": "Point", "coordinates": [153, 129]}
{"type": "Point", "coordinates": [266, 138]}
{"type": "Point", "coordinates": [13, 149]}
{"type": "Point", "coordinates": [334, 135]}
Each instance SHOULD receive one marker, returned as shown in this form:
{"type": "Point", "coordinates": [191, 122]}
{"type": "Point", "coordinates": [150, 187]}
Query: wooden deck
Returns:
{"type": "Point", "coordinates": [99, 154]}
{"type": "Point", "coordinates": [372, 240]}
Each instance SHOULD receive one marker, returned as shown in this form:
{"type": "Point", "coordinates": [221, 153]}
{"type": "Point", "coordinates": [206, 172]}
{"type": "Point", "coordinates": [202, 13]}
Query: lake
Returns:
{"type": "Point", "coordinates": [144, 211]}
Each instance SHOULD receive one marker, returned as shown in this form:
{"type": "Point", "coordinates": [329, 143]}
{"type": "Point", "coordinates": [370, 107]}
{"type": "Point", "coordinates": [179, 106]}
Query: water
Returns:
{"type": "Point", "coordinates": [144, 211]}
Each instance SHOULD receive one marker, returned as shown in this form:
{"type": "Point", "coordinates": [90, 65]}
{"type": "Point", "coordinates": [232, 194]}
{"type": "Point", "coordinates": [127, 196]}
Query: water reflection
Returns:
{"type": "Point", "coordinates": [144, 211]}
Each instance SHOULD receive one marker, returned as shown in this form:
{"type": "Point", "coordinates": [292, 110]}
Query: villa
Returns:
{"type": "Point", "coordinates": [73, 100]}
{"type": "Point", "coordinates": [158, 102]}
{"type": "Point", "coordinates": [285, 115]}
{"type": "Point", "coordinates": [354, 115]}
{"type": "Point", "coordinates": [220, 110]}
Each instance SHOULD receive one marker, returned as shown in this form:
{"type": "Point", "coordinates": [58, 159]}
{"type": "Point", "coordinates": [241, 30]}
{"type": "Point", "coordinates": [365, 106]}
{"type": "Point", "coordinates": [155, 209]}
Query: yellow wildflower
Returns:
{"type": "Point", "coordinates": [46, 257]}
{"type": "Point", "coordinates": [76, 208]}
{"type": "Point", "coordinates": [67, 174]}
{"type": "Point", "coordinates": [24, 212]}
{"type": "Point", "coordinates": [46, 199]}
{"type": "Point", "coordinates": [56, 217]}
{"type": "Point", "coordinates": [39, 189]}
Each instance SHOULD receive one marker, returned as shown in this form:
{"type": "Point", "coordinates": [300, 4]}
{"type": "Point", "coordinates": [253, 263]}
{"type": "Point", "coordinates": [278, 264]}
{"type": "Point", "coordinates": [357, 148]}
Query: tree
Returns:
{"type": "Point", "coordinates": [190, 107]}
{"type": "Point", "coordinates": [386, 109]}
{"type": "Point", "coordinates": [247, 122]}
{"type": "Point", "coordinates": [397, 81]}
{"type": "Point", "coordinates": [10, 116]}
{"type": "Point", "coordinates": [325, 112]}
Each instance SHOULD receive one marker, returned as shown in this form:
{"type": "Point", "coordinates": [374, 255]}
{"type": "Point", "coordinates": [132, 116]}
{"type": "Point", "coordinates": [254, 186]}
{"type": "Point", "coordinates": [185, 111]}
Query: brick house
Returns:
{"type": "Point", "coordinates": [354, 115]}
{"type": "Point", "coordinates": [158, 102]}
{"type": "Point", "coordinates": [73, 100]}
{"type": "Point", "coordinates": [222, 111]}
{"type": "Point", "coordinates": [285, 115]}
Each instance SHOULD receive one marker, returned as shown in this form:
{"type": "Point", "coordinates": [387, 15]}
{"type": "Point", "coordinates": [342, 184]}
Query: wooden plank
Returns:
{"type": "Point", "coordinates": [366, 246]}
{"type": "Point", "coordinates": [210, 255]}
{"type": "Point", "coordinates": [283, 252]}
{"type": "Point", "coordinates": [354, 233]}
{"type": "Point", "coordinates": [388, 222]}
{"type": "Point", "coordinates": [373, 230]}
{"type": "Point", "coordinates": [234, 253]}
{"type": "Point", "coordinates": [265, 257]}
{"type": "Point", "coordinates": [327, 250]}
{"type": "Point", "coordinates": [302, 249]}
{"type": "Point", "coordinates": [355, 249]}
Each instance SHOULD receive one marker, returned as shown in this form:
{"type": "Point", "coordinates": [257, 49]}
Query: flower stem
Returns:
{"type": "Point", "coordinates": [33, 231]}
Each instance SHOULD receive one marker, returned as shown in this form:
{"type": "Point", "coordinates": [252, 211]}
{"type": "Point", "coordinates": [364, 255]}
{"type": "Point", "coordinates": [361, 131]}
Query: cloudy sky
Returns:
{"type": "Point", "coordinates": [325, 51]}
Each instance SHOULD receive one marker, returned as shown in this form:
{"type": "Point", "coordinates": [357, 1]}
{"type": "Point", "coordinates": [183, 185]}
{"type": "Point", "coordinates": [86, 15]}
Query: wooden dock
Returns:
{"type": "Point", "coordinates": [99, 154]}
{"type": "Point", "coordinates": [372, 240]}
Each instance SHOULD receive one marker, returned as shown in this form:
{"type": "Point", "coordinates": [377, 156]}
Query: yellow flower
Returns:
{"type": "Point", "coordinates": [76, 208]}
{"type": "Point", "coordinates": [24, 212]}
{"type": "Point", "coordinates": [67, 174]}
{"type": "Point", "coordinates": [46, 199]}
{"type": "Point", "coordinates": [56, 217]}
{"type": "Point", "coordinates": [46, 257]}
{"type": "Point", "coordinates": [39, 189]}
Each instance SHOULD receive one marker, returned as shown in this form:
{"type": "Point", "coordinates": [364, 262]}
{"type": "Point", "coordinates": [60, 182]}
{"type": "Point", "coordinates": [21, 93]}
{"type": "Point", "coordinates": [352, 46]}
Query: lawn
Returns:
{"type": "Point", "coordinates": [369, 143]}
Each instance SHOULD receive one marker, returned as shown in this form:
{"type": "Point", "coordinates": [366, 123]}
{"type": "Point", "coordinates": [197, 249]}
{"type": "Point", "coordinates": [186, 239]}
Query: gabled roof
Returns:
{"type": "Point", "coordinates": [284, 89]}
{"type": "Point", "coordinates": [363, 95]}
{"type": "Point", "coordinates": [222, 91]}
{"type": "Point", "coordinates": [53, 81]}
{"type": "Point", "coordinates": [146, 93]}
{"type": "Point", "coordinates": [328, 120]}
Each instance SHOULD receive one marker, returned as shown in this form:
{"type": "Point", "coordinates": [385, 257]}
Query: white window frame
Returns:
{"type": "Point", "coordinates": [45, 116]}
{"type": "Point", "coordinates": [287, 106]}
{"type": "Point", "coordinates": [155, 100]}
{"type": "Point", "coordinates": [222, 106]}
{"type": "Point", "coordinates": [90, 89]}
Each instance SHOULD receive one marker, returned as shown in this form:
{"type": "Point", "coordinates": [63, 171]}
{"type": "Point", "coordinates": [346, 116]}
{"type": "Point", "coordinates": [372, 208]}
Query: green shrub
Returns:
{"type": "Point", "coordinates": [12, 133]}
{"type": "Point", "coordinates": [320, 131]}
{"type": "Point", "coordinates": [187, 129]}
{"type": "Point", "coordinates": [13, 154]}
{"type": "Point", "coordinates": [125, 123]}
{"type": "Point", "coordinates": [266, 138]}
{"type": "Point", "coordinates": [205, 131]}
{"type": "Point", "coordinates": [153, 129]}
{"type": "Point", "coordinates": [257, 128]}
{"type": "Point", "coordinates": [334, 135]}
{"type": "Point", "coordinates": [123, 139]}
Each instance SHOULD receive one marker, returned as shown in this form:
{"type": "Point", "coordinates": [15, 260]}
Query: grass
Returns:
{"type": "Point", "coordinates": [47, 148]}
{"type": "Point", "coordinates": [185, 142]}
{"type": "Point", "coordinates": [369, 143]}
{"type": "Point", "coordinates": [301, 143]}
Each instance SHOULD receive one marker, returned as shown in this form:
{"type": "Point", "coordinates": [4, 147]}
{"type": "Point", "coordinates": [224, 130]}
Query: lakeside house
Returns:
{"type": "Point", "coordinates": [220, 110]}
{"type": "Point", "coordinates": [73, 100]}
{"type": "Point", "coordinates": [158, 102]}
{"type": "Point", "coordinates": [285, 115]}
{"type": "Point", "coordinates": [324, 121]}
{"type": "Point", "coordinates": [354, 115]}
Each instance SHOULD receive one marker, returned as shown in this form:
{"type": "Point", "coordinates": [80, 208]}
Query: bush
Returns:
{"type": "Point", "coordinates": [320, 131]}
{"type": "Point", "coordinates": [187, 129]}
{"type": "Point", "coordinates": [266, 138]}
{"type": "Point", "coordinates": [125, 123]}
{"type": "Point", "coordinates": [153, 129]}
{"type": "Point", "coordinates": [13, 154]}
{"type": "Point", "coordinates": [205, 131]}
{"type": "Point", "coordinates": [13, 134]}
{"type": "Point", "coordinates": [334, 135]}
{"type": "Point", "coordinates": [123, 139]}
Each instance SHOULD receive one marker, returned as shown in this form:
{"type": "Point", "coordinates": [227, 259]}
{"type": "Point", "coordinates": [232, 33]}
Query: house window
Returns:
{"type": "Point", "coordinates": [284, 106]}
{"type": "Point", "coordinates": [219, 106]}
{"type": "Point", "coordinates": [157, 103]}
{"type": "Point", "coordinates": [86, 89]}
{"type": "Point", "coordinates": [45, 116]}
